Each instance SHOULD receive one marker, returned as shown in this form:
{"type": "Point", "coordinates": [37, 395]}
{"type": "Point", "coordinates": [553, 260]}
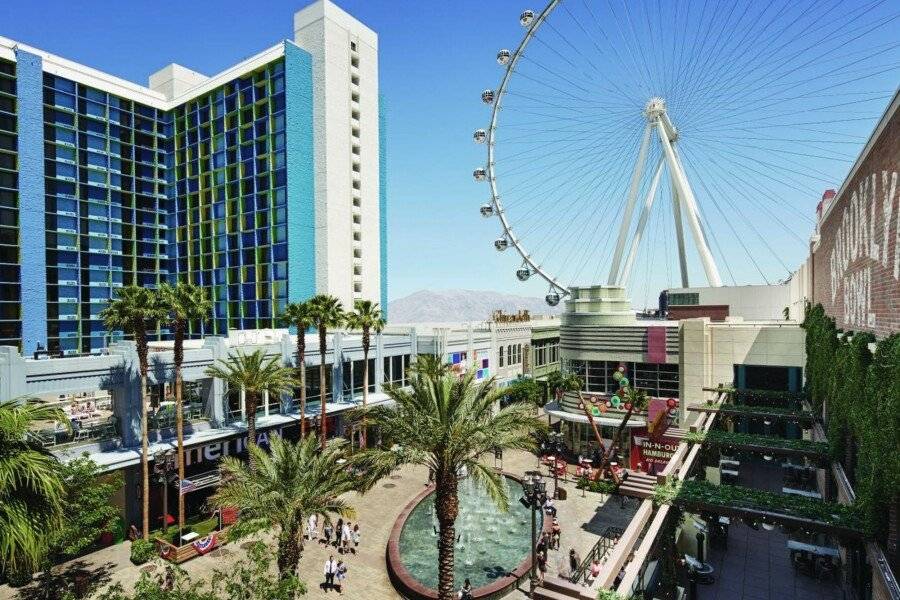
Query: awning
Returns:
{"type": "Point", "coordinates": [554, 410]}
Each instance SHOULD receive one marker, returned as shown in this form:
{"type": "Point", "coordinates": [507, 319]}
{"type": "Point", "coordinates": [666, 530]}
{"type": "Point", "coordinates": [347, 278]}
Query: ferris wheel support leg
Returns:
{"type": "Point", "coordinates": [690, 205]}
{"type": "Point", "coordinates": [679, 233]}
{"type": "Point", "coordinates": [642, 222]}
{"type": "Point", "coordinates": [629, 205]}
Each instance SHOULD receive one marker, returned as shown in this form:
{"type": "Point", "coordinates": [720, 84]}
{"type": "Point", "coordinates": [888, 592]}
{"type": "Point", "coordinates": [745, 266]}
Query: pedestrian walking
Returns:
{"type": "Point", "coordinates": [341, 575]}
{"type": "Point", "coordinates": [328, 530]}
{"type": "Point", "coordinates": [346, 536]}
{"type": "Point", "coordinates": [330, 571]}
{"type": "Point", "coordinates": [356, 538]}
{"type": "Point", "coordinates": [574, 561]}
{"type": "Point", "coordinates": [338, 532]}
{"type": "Point", "coordinates": [555, 533]}
{"type": "Point", "coordinates": [542, 565]}
{"type": "Point", "coordinates": [312, 527]}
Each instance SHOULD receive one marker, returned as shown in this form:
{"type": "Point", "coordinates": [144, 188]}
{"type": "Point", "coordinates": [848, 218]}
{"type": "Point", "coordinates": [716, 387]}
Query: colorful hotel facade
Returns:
{"type": "Point", "coordinates": [265, 184]}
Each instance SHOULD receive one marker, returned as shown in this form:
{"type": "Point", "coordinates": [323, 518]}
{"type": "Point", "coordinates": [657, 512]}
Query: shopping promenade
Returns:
{"type": "Point", "coordinates": [583, 520]}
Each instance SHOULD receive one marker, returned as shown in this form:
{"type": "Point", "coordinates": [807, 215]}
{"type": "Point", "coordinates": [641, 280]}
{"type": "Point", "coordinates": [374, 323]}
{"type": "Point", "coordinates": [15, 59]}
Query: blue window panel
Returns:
{"type": "Point", "coordinates": [65, 170]}
{"type": "Point", "coordinates": [63, 222]}
{"type": "Point", "coordinates": [279, 252]}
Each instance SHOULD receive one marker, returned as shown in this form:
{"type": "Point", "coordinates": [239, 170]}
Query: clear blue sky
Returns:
{"type": "Point", "coordinates": [436, 57]}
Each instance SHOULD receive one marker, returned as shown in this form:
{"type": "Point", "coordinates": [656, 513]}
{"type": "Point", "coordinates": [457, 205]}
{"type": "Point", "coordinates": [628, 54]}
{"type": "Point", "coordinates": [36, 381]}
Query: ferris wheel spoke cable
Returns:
{"type": "Point", "coordinates": [718, 171]}
{"type": "Point", "coordinates": [868, 53]}
{"type": "Point", "coordinates": [832, 43]}
{"type": "Point", "coordinates": [727, 71]}
{"type": "Point", "coordinates": [748, 223]}
{"type": "Point", "coordinates": [808, 173]}
{"type": "Point", "coordinates": [554, 232]}
{"type": "Point", "coordinates": [766, 194]}
{"type": "Point", "coordinates": [605, 37]}
{"type": "Point", "coordinates": [728, 74]}
{"type": "Point", "coordinates": [812, 94]}
{"type": "Point", "coordinates": [584, 183]}
{"type": "Point", "coordinates": [737, 236]}
{"type": "Point", "coordinates": [597, 215]}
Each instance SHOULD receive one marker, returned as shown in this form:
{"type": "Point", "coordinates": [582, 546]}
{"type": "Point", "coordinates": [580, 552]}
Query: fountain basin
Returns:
{"type": "Point", "coordinates": [494, 566]}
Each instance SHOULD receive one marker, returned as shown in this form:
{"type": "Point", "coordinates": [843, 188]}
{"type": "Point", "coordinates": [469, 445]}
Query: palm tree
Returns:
{"type": "Point", "coordinates": [290, 483]}
{"type": "Point", "coordinates": [428, 365]}
{"type": "Point", "coordinates": [299, 315]}
{"type": "Point", "coordinates": [635, 399]}
{"type": "Point", "coordinates": [134, 310]}
{"type": "Point", "coordinates": [254, 374]}
{"type": "Point", "coordinates": [31, 486]}
{"type": "Point", "coordinates": [561, 382]}
{"type": "Point", "coordinates": [366, 316]}
{"type": "Point", "coordinates": [449, 424]}
{"type": "Point", "coordinates": [327, 311]}
{"type": "Point", "coordinates": [182, 303]}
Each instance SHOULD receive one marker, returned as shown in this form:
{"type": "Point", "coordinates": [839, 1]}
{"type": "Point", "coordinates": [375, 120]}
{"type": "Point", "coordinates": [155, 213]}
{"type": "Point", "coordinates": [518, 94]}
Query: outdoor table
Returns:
{"type": "Point", "coordinates": [729, 472]}
{"type": "Point", "coordinates": [724, 520]}
{"type": "Point", "coordinates": [796, 492]}
{"type": "Point", "coordinates": [189, 537]}
{"type": "Point", "coordinates": [813, 549]}
{"type": "Point", "coordinates": [729, 461]}
{"type": "Point", "coordinates": [790, 465]}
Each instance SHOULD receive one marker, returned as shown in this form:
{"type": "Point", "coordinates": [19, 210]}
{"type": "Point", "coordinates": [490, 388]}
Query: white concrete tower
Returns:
{"type": "Point", "coordinates": [346, 140]}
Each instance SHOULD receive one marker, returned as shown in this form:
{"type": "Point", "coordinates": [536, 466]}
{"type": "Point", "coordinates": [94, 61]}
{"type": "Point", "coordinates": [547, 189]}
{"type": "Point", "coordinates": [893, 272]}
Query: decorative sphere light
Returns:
{"type": "Point", "coordinates": [487, 210]}
{"type": "Point", "coordinates": [523, 273]}
{"type": "Point", "coordinates": [479, 136]}
{"type": "Point", "coordinates": [480, 174]}
{"type": "Point", "coordinates": [487, 96]}
{"type": "Point", "coordinates": [552, 298]}
{"type": "Point", "coordinates": [503, 56]}
{"type": "Point", "coordinates": [501, 244]}
{"type": "Point", "coordinates": [526, 18]}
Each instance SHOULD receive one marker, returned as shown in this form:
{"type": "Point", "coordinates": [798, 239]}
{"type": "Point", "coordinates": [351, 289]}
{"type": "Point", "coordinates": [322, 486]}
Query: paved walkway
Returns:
{"type": "Point", "coordinates": [757, 566]}
{"type": "Point", "coordinates": [583, 520]}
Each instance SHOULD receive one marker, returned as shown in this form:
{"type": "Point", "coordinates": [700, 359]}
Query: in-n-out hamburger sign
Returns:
{"type": "Point", "coordinates": [856, 258]}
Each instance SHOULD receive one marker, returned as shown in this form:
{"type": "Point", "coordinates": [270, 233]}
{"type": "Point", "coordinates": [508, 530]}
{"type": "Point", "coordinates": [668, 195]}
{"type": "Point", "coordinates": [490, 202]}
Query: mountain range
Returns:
{"type": "Point", "coordinates": [442, 306]}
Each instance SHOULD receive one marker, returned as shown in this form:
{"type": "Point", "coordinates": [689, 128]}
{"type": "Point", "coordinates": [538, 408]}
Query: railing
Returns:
{"type": "Point", "coordinates": [78, 433]}
{"type": "Point", "coordinates": [598, 552]}
{"type": "Point", "coordinates": [164, 418]}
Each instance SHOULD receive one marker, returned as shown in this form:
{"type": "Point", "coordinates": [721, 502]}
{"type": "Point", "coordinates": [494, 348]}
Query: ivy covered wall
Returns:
{"type": "Point", "coordinates": [859, 392]}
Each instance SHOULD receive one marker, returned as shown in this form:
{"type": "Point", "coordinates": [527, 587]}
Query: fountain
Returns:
{"type": "Point", "coordinates": [490, 543]}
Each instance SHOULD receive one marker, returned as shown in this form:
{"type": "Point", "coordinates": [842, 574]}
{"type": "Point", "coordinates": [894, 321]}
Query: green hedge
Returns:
{"type": "Point", "coordinates": [766, 397]}
{"type": "Point", "coordinates": [727, 438]}
{"type": "Point", "coordinates": [861, 392]}
{"type": "Point", "coordinates": [601, 486]}
{"type": "Point", "coordinates": [694, 492]}
{"type": "Point", "coordinates": [774, 411]}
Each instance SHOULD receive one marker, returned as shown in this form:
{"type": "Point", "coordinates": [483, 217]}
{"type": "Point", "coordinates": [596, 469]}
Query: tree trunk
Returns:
{"type": "Point", "coordinates": [250, 408]}
{"type": "Point", "coordinates": [301, 364]}
{"type": "Point", "coordinates": [141, 340]}
{"type": "Point", "coordinates": [289, 551]}
{"type": "Point", "coordinates": [365, 345]}
{"type": "Point", "coordinates": [614, 443]}
{"type": "Point", "coordinates": [179, 415]}
{"type": "Point", "coordinates": [323, 390]}
{"type": "Point", "coordinates": [447, 509]}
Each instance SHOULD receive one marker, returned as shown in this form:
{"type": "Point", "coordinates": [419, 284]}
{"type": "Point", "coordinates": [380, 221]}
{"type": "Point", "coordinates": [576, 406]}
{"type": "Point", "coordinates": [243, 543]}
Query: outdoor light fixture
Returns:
{"type": "Point", "coordinates": [535, 495]}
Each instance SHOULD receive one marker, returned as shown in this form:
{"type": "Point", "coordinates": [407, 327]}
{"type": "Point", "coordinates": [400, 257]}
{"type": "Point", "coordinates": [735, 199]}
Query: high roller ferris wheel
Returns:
{"type": "Point", "coordinates": [740, 113]}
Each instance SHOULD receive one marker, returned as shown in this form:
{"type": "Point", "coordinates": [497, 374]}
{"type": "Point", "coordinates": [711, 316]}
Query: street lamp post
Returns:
{"type": "Point", "coordinates": [556, 447]}
{"type": "Point", "coordinates": [535, 494]}
{"type": "Point", "coordinates": [164, 468]}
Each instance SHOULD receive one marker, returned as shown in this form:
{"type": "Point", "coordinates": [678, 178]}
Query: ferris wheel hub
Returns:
{"type": "Point", "coordinates": [655, 108]}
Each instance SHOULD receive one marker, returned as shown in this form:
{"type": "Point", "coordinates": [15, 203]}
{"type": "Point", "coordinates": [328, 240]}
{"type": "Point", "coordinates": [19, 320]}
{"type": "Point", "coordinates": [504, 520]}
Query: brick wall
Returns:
{"type": "Point", "coordinates": [856, 264]}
